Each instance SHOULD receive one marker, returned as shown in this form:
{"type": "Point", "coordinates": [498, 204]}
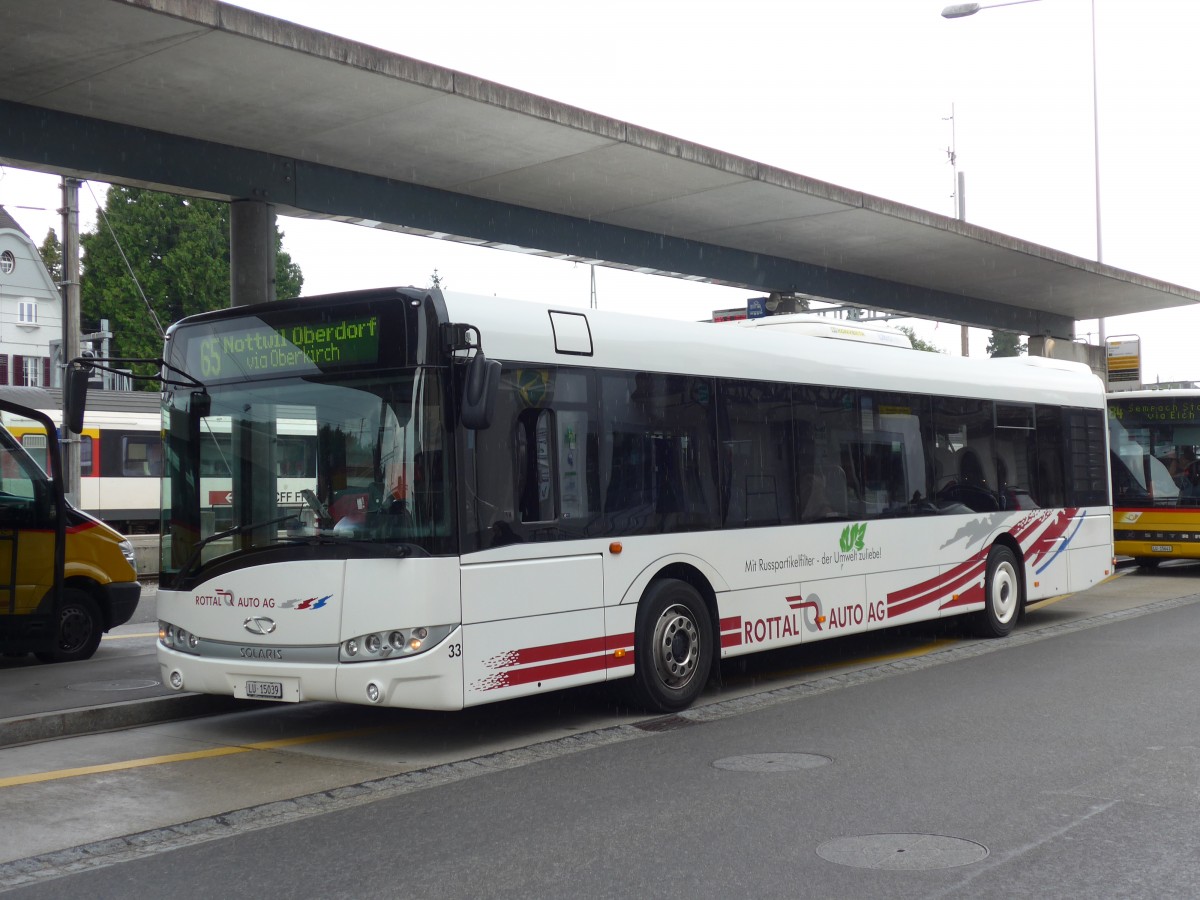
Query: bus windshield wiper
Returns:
{"type": "Point", "coordinates": [236, 529]}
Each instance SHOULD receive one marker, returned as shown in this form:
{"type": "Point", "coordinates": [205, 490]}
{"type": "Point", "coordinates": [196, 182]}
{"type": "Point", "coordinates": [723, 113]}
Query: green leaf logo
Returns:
{"type": "Point", "coordinates": [853, 537]}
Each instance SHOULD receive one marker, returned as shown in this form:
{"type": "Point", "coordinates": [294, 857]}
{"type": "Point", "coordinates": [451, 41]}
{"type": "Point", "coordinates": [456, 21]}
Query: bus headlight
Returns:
{"type": "Point", "coordinates": [175, 638]}
{"type": "Point", "coordinates": [127, 551]}
{"type": "Point", "coordinates": [393, 643]}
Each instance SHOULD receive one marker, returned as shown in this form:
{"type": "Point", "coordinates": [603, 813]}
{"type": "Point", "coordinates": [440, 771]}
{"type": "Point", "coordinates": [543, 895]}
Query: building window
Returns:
{"type": "Point", "coordinates": [31, 368]}
{"type": "Point", "coordinates": [8, 262]}
{"type": "Point", "coordinates": [27, 312]}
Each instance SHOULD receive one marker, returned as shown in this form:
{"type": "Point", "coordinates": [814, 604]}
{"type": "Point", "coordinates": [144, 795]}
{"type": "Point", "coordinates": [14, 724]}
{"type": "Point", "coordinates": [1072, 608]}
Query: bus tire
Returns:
{"type": "Point", "coordinates": [1002, 595]}
{"type": "Point", "coordinates": [78, 631]}
{"type": "Point", "coordinates": [1148, 563]}
{"type": "Point", "coordinates": [673, 647]}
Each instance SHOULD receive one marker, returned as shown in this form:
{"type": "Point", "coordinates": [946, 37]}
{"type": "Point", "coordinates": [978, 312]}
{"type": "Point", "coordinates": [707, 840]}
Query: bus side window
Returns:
{"type": "Point", "coordinates": [758, 467]}
{"type": "Point", "coordinates": [536, 465]}
{"type": "Point", "coordinates": [970, 426]}
{"type": "Point", "coordinates": [86, 451]}
{"type": "Point", "coordinates": [1050, 483]}
{"type": "Point", "coordinates": [659, 459]}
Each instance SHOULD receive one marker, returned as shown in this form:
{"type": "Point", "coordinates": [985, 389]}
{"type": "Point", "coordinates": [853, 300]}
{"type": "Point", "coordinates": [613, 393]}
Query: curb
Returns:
{"type": "Point", "coordinates": [113, 716]}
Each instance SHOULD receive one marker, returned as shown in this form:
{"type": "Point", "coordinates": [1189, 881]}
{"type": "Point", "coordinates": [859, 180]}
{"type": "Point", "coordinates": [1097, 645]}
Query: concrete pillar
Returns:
{"type": "Point", "coordinates": [251, 252]}
{"type": "Point", "coordinates": [70, 327]}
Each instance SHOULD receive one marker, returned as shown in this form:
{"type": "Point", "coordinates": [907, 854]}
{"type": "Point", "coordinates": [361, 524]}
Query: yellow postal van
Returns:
{"type": "Point", "coordinates": [65, 577]}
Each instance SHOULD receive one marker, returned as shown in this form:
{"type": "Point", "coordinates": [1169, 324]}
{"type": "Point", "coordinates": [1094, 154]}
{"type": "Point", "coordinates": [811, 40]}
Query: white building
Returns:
{"type": "Point", "coordinates": [30, 309]}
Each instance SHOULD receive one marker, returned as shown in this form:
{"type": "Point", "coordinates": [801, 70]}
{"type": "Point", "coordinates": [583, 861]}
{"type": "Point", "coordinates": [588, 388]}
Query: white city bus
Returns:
{"type": "Point", "coordinates": [601, 497]}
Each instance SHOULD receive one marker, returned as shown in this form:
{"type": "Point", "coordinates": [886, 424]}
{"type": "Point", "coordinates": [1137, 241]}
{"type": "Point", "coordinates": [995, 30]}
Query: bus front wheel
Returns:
{"type": "Point", "coordinates": [1002, 595]}
{"type": "Point", "coordinates": [78, 631]}
{"type": "Point", "coordinates": [673, 646]}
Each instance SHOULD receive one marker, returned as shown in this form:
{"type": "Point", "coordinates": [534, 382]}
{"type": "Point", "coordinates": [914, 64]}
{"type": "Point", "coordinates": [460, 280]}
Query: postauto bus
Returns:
{"type": "Point", "coordinates": [65, 577]}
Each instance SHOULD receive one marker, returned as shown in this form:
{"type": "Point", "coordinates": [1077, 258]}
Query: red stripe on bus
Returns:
{"type": "Point", "coordinates": [973, 594]}
{"type": "Point", "coordinates": [513, 677]}
{"type": "Point", "coordinates": [935, 589]}
{"type": "Point", "coordinates": [619, 642]}
{"type": "Point", "coordinates": [1047, 539]}
{"type": "Point", "coordinates": [946, 580]}
{"type": "Point", "coordinates": [558, 651]}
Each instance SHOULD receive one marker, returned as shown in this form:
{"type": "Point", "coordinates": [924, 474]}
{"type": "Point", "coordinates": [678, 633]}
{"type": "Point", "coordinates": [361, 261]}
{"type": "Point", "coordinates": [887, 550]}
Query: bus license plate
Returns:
{"type": "Point", "coordinates": [264, 690]}
{"type": "Point", "coordinates": [1162, 548]}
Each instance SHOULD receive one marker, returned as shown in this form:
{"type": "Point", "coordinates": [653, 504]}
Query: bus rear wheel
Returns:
{"type": "Point", "coordinates": [673, 647]}
{"type": "Point", "coordinates": [78, 629]}
{"type": "Point", "coordinates": [1002, 599]}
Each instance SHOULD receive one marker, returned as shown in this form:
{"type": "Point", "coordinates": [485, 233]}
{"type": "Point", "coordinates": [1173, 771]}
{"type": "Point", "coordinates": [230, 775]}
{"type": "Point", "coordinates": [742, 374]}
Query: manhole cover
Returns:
{"type": "Point", "coordinates": [772, 762]}
{"type": "Point", "coordinates": [133, 684]}
{"type": "Point", "coordinates": [902, 851]}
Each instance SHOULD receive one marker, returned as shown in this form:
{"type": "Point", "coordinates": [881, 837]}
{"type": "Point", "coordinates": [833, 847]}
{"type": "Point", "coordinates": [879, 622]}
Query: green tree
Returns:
{"type": "Point", "coordinates": [918, 343]}
{"type": "Point", "coordinates": [51, 251]}
{"type": "Point", "coordinates": [437, 281]}
{"type": "Point", "coordinates": [1005, 343]}
{"type": "Point", "coordinates": [178, 249]}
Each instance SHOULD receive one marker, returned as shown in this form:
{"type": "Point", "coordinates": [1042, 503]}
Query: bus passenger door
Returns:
{"type": "Point", "coordinates": [532, 625]}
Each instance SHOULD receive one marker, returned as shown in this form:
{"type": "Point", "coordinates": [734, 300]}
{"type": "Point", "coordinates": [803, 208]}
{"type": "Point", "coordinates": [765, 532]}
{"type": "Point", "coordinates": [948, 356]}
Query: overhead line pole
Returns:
{"type": "Point", "coordinates": [70, 326]}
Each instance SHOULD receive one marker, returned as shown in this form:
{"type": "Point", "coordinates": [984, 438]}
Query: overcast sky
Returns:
{"type": "Point", "coordinates": [854, 93]}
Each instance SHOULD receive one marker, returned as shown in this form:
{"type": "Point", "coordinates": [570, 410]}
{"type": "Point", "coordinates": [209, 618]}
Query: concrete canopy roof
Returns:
{"type": "Point", "coordinates": [198, 97]}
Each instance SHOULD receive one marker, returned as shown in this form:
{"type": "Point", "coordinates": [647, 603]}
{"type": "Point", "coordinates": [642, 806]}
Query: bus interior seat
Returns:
{"type": "Point", "coordinates": [970, 468]}
{"type": "Point", "coordinates": [829, 493]}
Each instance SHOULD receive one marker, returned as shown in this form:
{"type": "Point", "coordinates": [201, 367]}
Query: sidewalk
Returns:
{"type": "Point", "coordinates": [119, 687]}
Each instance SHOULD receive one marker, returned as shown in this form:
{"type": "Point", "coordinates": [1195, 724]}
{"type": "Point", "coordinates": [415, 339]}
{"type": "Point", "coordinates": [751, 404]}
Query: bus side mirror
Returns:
{"type": "Point", "coordinates": [75, 394]}
{"type": "Point", "coordinates": [479, 392]}
{"type": "Point", "coordinates": [201, 405]}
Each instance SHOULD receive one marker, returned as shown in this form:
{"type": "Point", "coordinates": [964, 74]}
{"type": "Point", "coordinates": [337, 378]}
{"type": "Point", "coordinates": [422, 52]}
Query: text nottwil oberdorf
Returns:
{"type": "Point", "coordinates": [298, 344]}
{"type": "Point", "coordinates": [803, 560]}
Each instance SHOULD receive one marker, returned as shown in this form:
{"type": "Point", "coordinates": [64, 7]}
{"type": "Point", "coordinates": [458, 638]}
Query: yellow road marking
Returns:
{"type": "Point", "coordinates": [212, 753]}
{"type": "Point", "coordinates": [124, 637]}
{"type": "Point", "coordinates": [1038, 604]}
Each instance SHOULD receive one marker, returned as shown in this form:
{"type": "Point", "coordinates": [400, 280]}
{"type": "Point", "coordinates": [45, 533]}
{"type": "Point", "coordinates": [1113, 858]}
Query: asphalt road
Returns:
{"type": "Point", "coordinates": [1063, 761]}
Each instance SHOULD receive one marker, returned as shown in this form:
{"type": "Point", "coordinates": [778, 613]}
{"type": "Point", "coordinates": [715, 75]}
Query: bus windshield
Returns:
{"type": "Point", "coordinates": [303, 461]}
{"type": "Point", "coordinates": [1154, 444]}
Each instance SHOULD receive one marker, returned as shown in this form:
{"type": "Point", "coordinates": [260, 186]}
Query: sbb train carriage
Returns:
{"type": "Point", "coordinates": [120, 453]}
{"type": "Point", "coordinates": [597, 497]}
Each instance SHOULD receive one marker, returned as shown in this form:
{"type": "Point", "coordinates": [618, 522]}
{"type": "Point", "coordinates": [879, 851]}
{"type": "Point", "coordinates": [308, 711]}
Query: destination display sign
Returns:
{"type": "Point", "coordinates": [1168, 409]}
{"type": "Point", "coordinates": [252, 347]}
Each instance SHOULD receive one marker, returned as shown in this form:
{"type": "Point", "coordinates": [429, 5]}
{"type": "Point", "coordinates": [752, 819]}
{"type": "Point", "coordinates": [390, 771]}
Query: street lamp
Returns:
{"type": "Point", "coordinates": [959, 10]}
